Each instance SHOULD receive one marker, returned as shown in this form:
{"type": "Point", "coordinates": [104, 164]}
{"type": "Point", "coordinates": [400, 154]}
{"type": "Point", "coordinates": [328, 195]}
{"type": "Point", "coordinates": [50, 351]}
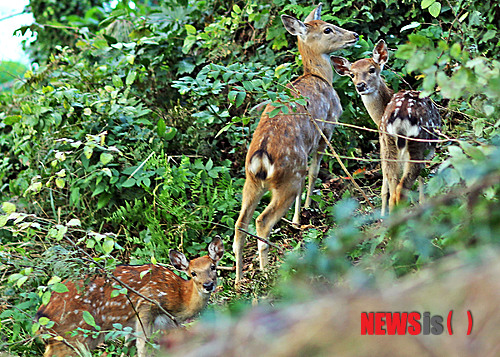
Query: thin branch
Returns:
{"type": "Point", "coordinates": [355, 158]}
{"type": "Point", "coordinates": [12, 15]}
{"type": "Point", "coordinates": [340, 162]}
{"type": "Point", "coordinates": [140, 166]}
{"type": "Point", "coordinates": [437, 132]}
{"type": "Point", "coordinates": [261, 239]}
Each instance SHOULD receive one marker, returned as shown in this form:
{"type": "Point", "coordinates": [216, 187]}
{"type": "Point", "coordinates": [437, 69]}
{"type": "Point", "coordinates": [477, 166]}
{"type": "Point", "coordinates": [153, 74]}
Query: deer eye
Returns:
{"type": "Point", "coordinates": [193, 274]}
{"type": "Point", "coordinates": [327, 31]}
{"type": "Point", "coordinates": [371, 70]}
{"type": "Point", "coordinates": [213, 267]}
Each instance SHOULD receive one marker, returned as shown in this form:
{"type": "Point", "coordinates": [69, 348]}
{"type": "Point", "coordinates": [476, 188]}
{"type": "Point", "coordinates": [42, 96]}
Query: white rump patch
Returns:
{"type": "Point", "coordinates": [261, 163]}
{"type": "Point", "coordinates": [403, 127]}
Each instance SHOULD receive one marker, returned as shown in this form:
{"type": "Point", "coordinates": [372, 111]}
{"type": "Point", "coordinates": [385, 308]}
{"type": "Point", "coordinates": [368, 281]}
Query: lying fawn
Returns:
{"type": "Point", "coordinates": [399, 116]}
{"type": "Point", "coordinates": [181, 298]}
{"type": "Point", "coordinates": [277, 157]}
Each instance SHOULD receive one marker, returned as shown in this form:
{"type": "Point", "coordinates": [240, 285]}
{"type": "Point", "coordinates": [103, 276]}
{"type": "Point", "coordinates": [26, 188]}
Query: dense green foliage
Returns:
{"type": "Point", "coordinates": [130, 137]}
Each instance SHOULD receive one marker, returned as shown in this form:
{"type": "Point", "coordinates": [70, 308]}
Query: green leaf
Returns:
{"type": "Point", "coordinates": [60, 182]}
{"type": "Point", "coordinates": [413, 25]}
{"type": "Point", "coordinates": [43, 320]}
{"type": "Point", "coordinates": [35, 327]}
{"type": "Point", "coordinates": [240, 98]}
{"type": "Point", "coordinates": [90, 243]}
{"type": "Point", "coordinates": [3, 220]}
{"type": "Point", "coordinates": [61, 173]}
{"type": "Point", "coordinates": [130, 78]}
{"type": "Point", "coordinates": [213, 173]}
{"type": "Point", "coordinates": [490, 34]}
{"type": "Point", "coordinates": [46, 297]}
{"type": "Point", "coordinates": [59, 288]}
{"type": "Point", "coordinates": [232, 96]}
{"type": "Point", "coordinates": [14, 277]}
{"type": "Point", "coordinates": [435, 9]}
{"type": "Point", "coordinates": [248, 85]}
{"type": "Point", "coordinates": [101, 187]}
{"type": "Point", "coordinates": [209, 164]}
{"type": "Point", "coordinates": [463, 17]}
{"type": "Point", "coordinates": [21, 281]}
{"type": "Point", "coordinates": [169, 135]}
{"type": "Point", "coordinates": [455, 50]}
{"type": "Point", "coordinates": [103, 200]}
{"type": "Point", "coordinates": [236, 9]}
{"type": "Point", "coordinates": [185, 67]}
{"type": "Point", "coordinates": [106, 158]}
{"type": "Point", "coordinates": [190, 29]}
{"type": "Point", "coordinates": [426, 3]}
{"type": "Point", "coordinates": [108, 245]}
{"type": "Point", "coordinates": [189, 41]}
{"type": "Point", "coordinates": [12, 119]}
{"type": "Point", "coordinates": [117, 81]}
{"type": "Point", "coordinates": [274, 112]}
{"type": "Point", "coordinates": [161, 127]}
{"type": "Point", "coordinates": [89, 319]}
{"type": "Point", "coordinates": [55, 279]}
{"type": "Point", "coordinates": [87, 151]}
{"type": "Point", "coordinates": [129, 182]}
{"type": "Point", "coordinates": [473, 151]}
{"type": "Point", "coordinates": [8, 207]}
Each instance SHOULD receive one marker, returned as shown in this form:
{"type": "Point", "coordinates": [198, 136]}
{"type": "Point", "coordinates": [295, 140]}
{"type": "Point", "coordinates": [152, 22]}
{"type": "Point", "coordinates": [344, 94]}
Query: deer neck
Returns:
{"type": "Point", "coordinates": [376, 102]}
{"type": "Point", "coordinates": [317, 64]}
{"type": "Point", "coordinates": [194, 300]}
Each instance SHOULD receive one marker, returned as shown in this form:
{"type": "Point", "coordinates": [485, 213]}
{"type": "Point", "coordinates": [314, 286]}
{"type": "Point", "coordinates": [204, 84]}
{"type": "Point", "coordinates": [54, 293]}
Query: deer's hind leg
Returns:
{"type": "Point", "coordinates": [252, 193]}
{"type": "Point", "coordinates": [283, 197]}
{"type": "Point", "coordinates": [411, 168]}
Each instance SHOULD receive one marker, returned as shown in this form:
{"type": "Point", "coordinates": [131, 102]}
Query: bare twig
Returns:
{"type": "Point", "coordinates": [12, 15]}
{"type": "Point", "coordinates": [341, 163]}
{"type": "Point", "coordinates": [262, 239]}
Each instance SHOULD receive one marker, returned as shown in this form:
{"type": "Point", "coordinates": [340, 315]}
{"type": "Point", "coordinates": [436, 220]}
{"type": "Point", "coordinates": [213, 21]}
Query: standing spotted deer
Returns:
{"type": "Point", "coordinates": [183, 299]}
{"type": "Point", "coordinates": [277, 157]}
{"type": "Point", "coordinates": [400, 117]}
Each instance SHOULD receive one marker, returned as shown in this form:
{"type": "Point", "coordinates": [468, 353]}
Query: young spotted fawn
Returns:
{"type": "Point", "coordinates": [182, 299]}
{"type": "Point", "coordinates": [399, 116]}
{"type": "Point", "coordinates": [277, 157]}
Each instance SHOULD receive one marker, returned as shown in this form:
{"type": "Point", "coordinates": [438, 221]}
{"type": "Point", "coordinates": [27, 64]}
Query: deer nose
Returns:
{"type": "Point", "coordinates": [356, 36]}
{"type": "Point", "coordinates": [361, 87]}
{"type": "Point", "coordinates": [209, 286]}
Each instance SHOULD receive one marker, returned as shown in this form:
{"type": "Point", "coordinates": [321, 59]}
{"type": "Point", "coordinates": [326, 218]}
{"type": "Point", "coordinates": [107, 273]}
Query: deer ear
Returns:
{"type": "Point", "coordinates": [294, 26]}
{"type": "Point", "coordinates": [216, 249]}
{"type": "Point", "coordinates": [341, 65]}
{"type": "Point", "coordinates": [315, 14]}
{"type": "Point", "coordinates": [380, 53]}
{"type": "Point", "coordinates": [178, 260]}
